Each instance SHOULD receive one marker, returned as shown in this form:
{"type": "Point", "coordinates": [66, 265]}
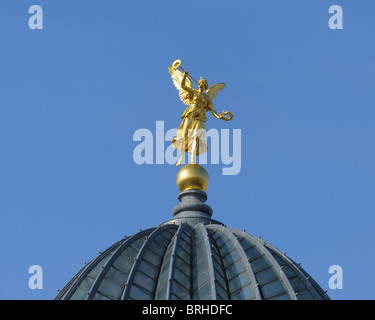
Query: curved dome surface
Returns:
{"type": "Point", "coordinates": [194, 258]}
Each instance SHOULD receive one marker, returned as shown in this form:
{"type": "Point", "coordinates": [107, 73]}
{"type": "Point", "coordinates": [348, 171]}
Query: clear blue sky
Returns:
{"type": "Point", "coordinates": [73, 94]}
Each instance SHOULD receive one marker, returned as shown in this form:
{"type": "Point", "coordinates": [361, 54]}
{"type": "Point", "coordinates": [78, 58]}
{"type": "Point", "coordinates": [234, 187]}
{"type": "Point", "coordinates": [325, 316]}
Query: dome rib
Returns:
{"type": "Point", "coordinates": [109, 264]}
{"type": "Point", "coordinates": [170, 281]}
{"type": "Point", "coordinates": [76, 281]}
{"type": "Point", "coordinates": [261, 245]}
{"type": "Point", "coordinates": [158, 256]}
{"type": "Point", "coordinates": [243, 262]}
{"type": "Point", "coordinates": [200, 227]}
{"type": "Point", "coordinates": [175, 279]}
{"type": "Point", "coordinates": [221, 278]}
{"type": "Point", "coordinates": [163, 272]}
{"type": "Point", "coordinates": [299, 280]}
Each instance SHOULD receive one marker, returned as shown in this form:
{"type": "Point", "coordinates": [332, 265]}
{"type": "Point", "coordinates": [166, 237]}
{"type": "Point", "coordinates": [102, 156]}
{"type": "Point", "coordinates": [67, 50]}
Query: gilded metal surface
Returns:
{"type": "Point", "coordinates": [191, 133]}
{"type": "Point", "coordinates": [192, 176]}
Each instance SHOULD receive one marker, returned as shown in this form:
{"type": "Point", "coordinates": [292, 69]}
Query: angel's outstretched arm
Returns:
{"type": "Point", "coordinates": [215, 114]}
{"type": "Point", "coordinates": [183, 85]}
{"type": "Point", "coordinates": [221, 115]}
{"type": "Point", "coordinates": [209, 106]}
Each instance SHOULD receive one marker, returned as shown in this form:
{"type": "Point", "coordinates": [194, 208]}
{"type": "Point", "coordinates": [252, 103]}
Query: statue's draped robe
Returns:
{"type": "Point", "coordinates": [192, 128]}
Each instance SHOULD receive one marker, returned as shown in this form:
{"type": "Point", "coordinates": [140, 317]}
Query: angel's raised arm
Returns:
{"type": "Point", "coordinates": [183, 84]}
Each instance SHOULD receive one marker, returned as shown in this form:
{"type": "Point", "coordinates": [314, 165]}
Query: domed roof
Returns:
{"type": "Point", "coordinates": [204, 262]}
{"type": "Point", "coordinates": [192, 257]}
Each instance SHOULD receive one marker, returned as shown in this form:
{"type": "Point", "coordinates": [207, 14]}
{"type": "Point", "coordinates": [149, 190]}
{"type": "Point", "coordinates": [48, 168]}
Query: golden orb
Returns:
{"type": "Point", "coordinates": [192, 176]}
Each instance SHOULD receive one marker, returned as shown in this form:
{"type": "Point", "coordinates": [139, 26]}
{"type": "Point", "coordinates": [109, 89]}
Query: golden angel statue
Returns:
{"type": "Point", "coordinates": [191, 133]}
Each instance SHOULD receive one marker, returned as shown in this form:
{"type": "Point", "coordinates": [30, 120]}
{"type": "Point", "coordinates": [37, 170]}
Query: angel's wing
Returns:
{"type": "Point", "coordinates": [177, 76]}
{"type": "Point", "coordinates": [214, 90]}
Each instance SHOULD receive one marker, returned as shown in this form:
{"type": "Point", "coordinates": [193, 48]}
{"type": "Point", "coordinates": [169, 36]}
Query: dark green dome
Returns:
{"type": "Point", "coordinates": [192, 257]}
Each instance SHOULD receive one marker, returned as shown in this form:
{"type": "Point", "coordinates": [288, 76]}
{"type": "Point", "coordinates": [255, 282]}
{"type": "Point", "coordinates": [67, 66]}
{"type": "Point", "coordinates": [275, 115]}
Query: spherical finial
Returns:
{"type": "Point", "coordinates": [192, 176]}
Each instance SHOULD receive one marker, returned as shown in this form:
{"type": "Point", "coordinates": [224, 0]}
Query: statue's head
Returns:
{"type": "Point", "coordinates": [202, 83]}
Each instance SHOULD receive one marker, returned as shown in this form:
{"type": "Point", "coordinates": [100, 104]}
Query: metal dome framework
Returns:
{"type": "Point", "coordinates": [191, 258]}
